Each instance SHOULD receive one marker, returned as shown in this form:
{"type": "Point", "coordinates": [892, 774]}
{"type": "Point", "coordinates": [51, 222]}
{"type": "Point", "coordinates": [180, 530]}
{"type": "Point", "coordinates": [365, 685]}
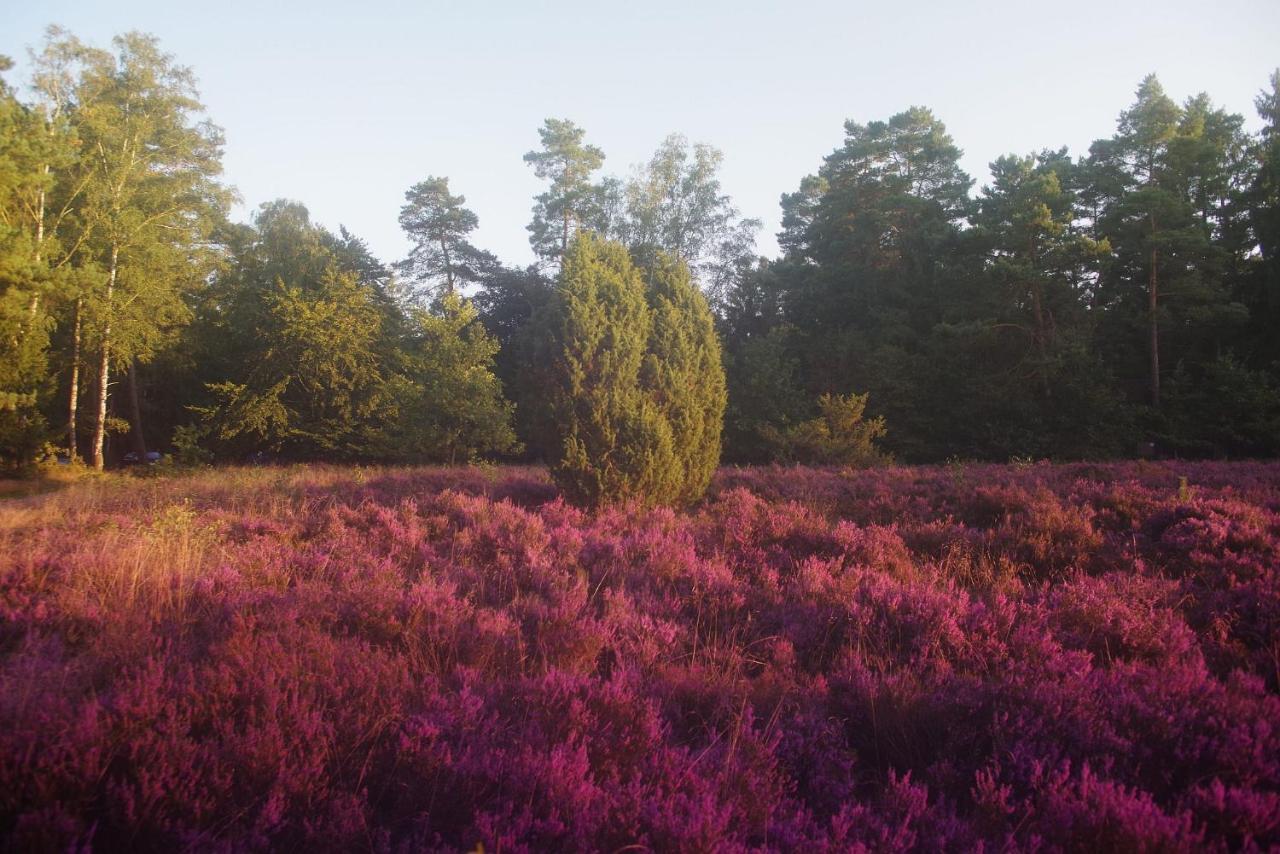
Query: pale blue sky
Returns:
{"type": "Point", "coordinates": [344, 105]}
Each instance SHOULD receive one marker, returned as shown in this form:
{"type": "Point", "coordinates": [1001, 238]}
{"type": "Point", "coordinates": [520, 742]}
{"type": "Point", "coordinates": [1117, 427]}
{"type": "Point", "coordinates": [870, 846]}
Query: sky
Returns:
{"type": "Point", "coordinates": [343, 106]}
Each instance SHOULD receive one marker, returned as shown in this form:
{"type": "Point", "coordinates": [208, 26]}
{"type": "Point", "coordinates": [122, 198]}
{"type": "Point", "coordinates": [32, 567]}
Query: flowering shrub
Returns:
{"type": "Point", "coordinates": [1038, 657]}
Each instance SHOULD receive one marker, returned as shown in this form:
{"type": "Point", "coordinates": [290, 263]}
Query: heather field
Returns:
{"type": "Point", "coordinates": [1080, 657]}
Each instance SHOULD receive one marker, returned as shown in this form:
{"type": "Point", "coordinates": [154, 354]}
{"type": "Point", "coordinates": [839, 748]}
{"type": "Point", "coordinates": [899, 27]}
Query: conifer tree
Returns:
{"type": "Point", "coordinates": [610, 442]}
{"type": "Point", "coordinates": [637, 389]}
{"type": "Point", "coordinates": [442, 258]}
{"type": "Point", "coordinates": [1158, 180]}
{"type": "Point", "coordinates": [683, 372]}
{"type": "Point", "coordinates": [1263, 202]}
{"type": "Point", "coordinates": [567, 162]}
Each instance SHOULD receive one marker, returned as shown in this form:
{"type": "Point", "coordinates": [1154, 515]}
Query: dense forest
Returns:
{"type": "Point", "coordinates": [1113, 303]}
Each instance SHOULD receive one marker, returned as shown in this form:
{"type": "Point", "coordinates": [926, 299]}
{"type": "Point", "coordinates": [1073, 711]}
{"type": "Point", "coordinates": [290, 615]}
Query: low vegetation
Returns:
{"type": "Point", "coordinates": [806, 659]}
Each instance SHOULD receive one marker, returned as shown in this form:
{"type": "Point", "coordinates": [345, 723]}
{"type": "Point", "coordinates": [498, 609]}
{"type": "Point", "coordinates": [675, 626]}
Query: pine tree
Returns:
{"type": "Point", "coordinates": [442, 258]}
{"type": "Point", "coordinates": [1262, 199]}
{"type": "Point", "coordinates": [1158, 181]}
{"type": "Point", "coordinates": [572, 199]}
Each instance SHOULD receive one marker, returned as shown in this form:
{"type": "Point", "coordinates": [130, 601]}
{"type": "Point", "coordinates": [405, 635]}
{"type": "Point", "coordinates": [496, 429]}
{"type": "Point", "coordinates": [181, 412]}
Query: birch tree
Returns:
{"type": "Point", "coordinates": [40, 234]}
{"type": "Point", "coordinates": [152, 199]}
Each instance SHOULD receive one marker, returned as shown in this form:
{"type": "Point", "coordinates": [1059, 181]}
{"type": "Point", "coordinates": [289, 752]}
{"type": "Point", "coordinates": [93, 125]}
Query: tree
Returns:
{"type": "Point", "coordinates": [438, 224]}
{"type": "Point", "coordinates": [24, 327]}
{"type": "Point", "coordinates": [684, 373]}
{"type": "Point", "coordinates": [315, 385]}
{"type": "Point", "coordinates": [571, 200]}
{"type": "Point", "coordinates": [876, 261]}
{"type": "Point", "coordinates": [1261, 199]}
{"type": "Point", "coordinates": [152, 199]}
{"type": "Point", "coordinates": [62, 227]}
{"type": "Point", "coordinates": [839, 435]}
{"type": "Point", "coordinates": [451, 407]}
{"type": "Point", "coordinates": [766, 393]}
{"type": "Point", "coordinates": [674, 204]}
{"type": "Point", "coordinates": [1041, 263]}
{"type": "Point", "coordinates": [637, 391]}
{"type": "Point", "coordinates": [305, 354]}
{"type": "Point", "coordinates": [610, 442]}
{"type": "Point", "coordinates": [1159, 179]}
{"type": "Point", "coordinates": [41, 232]}
{"type": "Point", "coordinates": [1222, 408]}
{"type": "Point", "coordinates": [511, 304]}
{"type": "Point", "coordinates": [296, 341]}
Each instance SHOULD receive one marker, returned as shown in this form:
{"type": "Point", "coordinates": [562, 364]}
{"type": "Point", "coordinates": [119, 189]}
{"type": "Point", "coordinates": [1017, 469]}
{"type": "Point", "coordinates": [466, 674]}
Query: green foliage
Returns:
{"type": "Point", "coordinates": [1223, 409]}
{"type": "Point", "coordinates": [1261, 203]}
{"type": "Point", "coordinates": [336, 368]}
{"type": "Point", "coordinates": [572, 200]}
{"type": "Point", "coordinates": [187, 449]}
{"type": "Point", "coordinates": [684, 374]}
{"type": "Point", "coordinates": [636, 397]}
{"type": "Point", "coordinates": [442, 259]}
{"type": "Point", "coordinates": [512, 306]}
{"type": "Point", "coordinates": [451, 407]}
{"type": "Point", "coordinates": [1074, 308]}
{"type": "Point", "coordinates": [765, 394]}
{"type": "Point", "coordinates": [840, 435]}
{"type": "Point", "coordinates": [315, 386]}
{"type": "Point", "coordinates": [1037, 320]}
{"type": "Point", "coordinates": [1160, 186]}
{"type": "Point", "coordinates": [609, 440]}
{"type": "Point", "coordinates": [118, 223]}
{"type": "Point", "coordinates": [31, 143]}
{"type": "Point", "coordinates": [675, 204]}
{"type": "Point", "coordinates": [876, 263]}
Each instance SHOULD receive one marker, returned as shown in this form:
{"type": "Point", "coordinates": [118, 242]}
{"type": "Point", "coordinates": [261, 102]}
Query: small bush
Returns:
{"type": "Point", "coordinates": [840, 435]}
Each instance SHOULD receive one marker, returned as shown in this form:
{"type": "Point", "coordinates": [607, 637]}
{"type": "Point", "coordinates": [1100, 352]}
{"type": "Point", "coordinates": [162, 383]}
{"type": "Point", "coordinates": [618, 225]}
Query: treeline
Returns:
{"type": "Point", "coordinates": [1115, 303]}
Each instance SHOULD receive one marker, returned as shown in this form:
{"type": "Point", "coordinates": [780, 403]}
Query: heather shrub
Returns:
{"type": "Point", "coordinates": [1046, 536]}
{"type": "Point", "coordinates": [1041, 658]}
{"type": "Point", "coordinates": [1124, 617]}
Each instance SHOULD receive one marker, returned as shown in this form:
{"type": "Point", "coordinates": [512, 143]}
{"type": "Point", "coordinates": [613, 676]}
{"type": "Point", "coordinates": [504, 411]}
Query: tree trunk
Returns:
{"type": "Point", "coordinates": [104, 369]}
{"type": "Point", "coordinates": [1037, 312]}
{"type": "Point", "coordinates": [448, 267]}
{"type": "Point", "coordinates": [73, 397]}
{"type": "Point", "coordinates": [135, 414]}
{"type": "Point", "coordinates": [40, 222]}
{"type": "Point", "coordinates": [34, 308]}
{"type": "Point", "coordinates": [1153, 304]}
{"type": "Point", "coordinates": [1041, 335]}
